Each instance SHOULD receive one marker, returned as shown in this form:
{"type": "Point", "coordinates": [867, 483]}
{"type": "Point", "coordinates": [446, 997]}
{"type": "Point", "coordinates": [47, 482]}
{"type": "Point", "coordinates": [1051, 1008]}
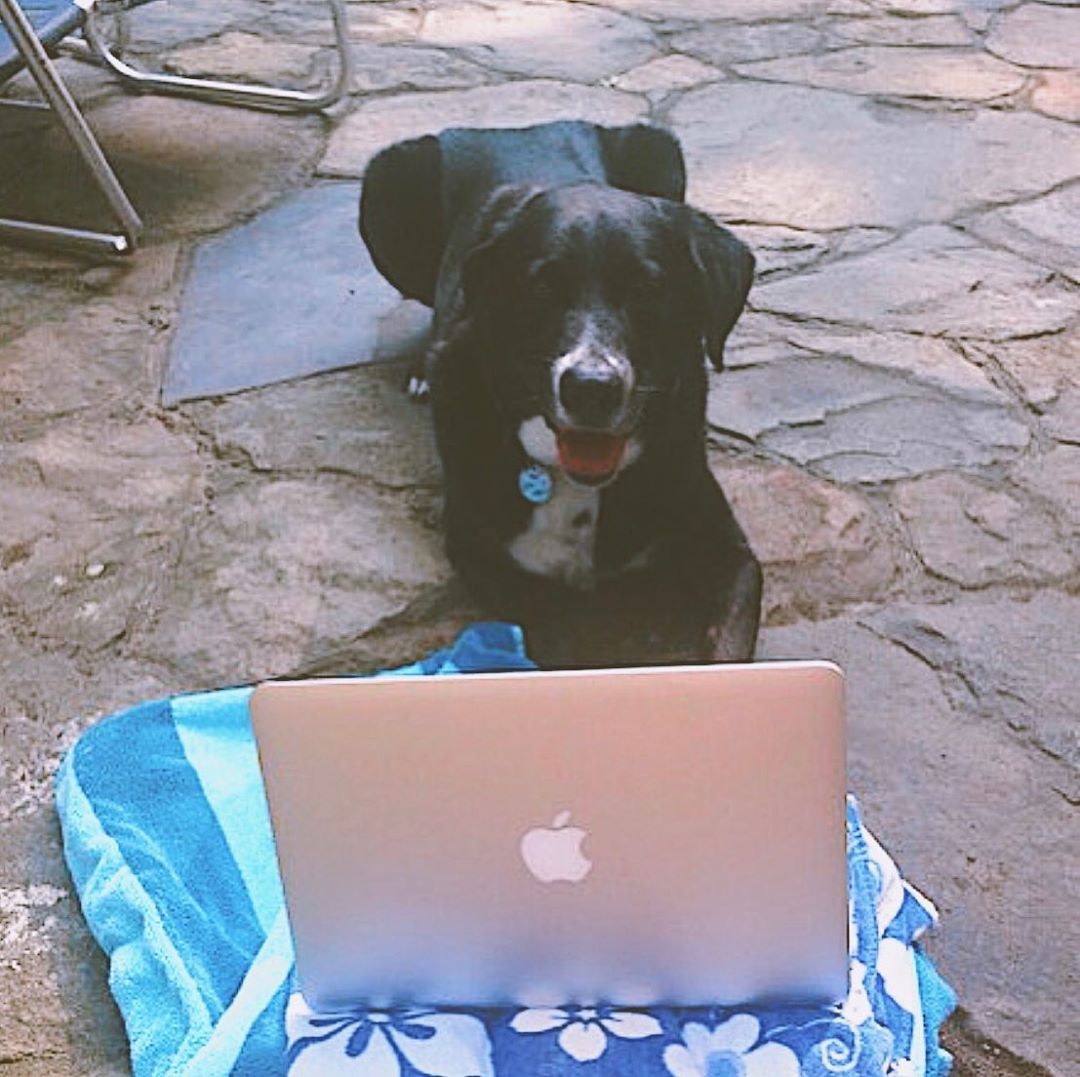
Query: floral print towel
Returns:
{"type": "Point", "coordinates": [168, 841]}
{"type": "Point", "coordinates": [887, 1025]}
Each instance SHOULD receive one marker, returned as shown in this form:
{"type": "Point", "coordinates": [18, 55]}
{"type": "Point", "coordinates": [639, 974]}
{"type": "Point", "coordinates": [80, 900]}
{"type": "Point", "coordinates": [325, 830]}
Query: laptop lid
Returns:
{"type": "Point", "coordinates": [635, 836]}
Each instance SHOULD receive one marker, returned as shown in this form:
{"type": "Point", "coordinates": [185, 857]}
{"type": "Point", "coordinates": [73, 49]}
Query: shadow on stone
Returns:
{"type": "Point", "coordinates": [187, 167]}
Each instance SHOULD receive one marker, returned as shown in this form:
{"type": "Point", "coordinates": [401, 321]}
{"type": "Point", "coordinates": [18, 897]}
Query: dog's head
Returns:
{"type": "Point", "coordinates": [596, 308]}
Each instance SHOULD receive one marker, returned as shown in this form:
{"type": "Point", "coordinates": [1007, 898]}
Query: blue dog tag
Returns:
{"type": "Point", "coordinates": [535, 485]}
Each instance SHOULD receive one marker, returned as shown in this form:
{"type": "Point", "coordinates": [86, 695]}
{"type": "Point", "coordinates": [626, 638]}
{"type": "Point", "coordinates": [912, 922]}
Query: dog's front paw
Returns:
{"type": "Point", "coordinates": [418, 388]}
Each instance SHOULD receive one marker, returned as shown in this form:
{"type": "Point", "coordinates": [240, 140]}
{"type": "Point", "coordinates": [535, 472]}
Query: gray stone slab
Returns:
{"type": "Point", "coordinates": [168, 25]}
{"type": "Point", "coordinates": [957, 74]}
{"type": "Point", "coordinates": [972, 814]}
{"type": "Point", "coordinates": [360, 423]}
{"type": "Point", "coordinates": [722, 43]}
{"type": "Point", "coordinates": [778, 248]}
{"type": "Point", "coordinates": [289, 294]}
{"type": "Point", "coordinates": [822, 547]}
{"type": "Point", "coordinates": [540, 38]}
{"type": "Point", "coordinates": [40, 382]}
{"type": "Point", "coordinates": [796, 391]}
{"type": "Point", "coordinates": [819, 159]}
{"type": "Point", "coordinates": [292, 574]}
{"type": "Point", "coordinates": [1055, 477]}
{"type": "Point", "coordinates": [903, 30]}
{"type": "Point", "coordinates": [1058, 95]}
{"type": "Point", "coordinates": [1044, 368]}
{"type": "Point", "coordinates": [247, 57]}
{"type": "Point", "coordinates": [932, 280]}
{"type": "Point", "coordinates": [91, 524]}
{"type": "Point", "coordinates": [994, 655]}
{"type": "Point", "coordinates": [669, 73]}
{"type": "Point", "coordinates": [382, 120]}
{"type": "Point", "coordinates": [932, 361]}
{"type": "Point", "coordinates": [976, 533]}
{"type": "Point", "coordinates": [900, 436]}
{"type": "Point", "coordinates": [1062, 419]}
{"type": "Point", "coordinates": [854, 423]}
{"type": "Point", "coordinates": [728, 11]}
{"type": "Point", "coordinates": [1037, 35]}
{"type": "Point", "coordinates": [1045, 230]}
{"type": "Point", "coordinates": [377, 68]}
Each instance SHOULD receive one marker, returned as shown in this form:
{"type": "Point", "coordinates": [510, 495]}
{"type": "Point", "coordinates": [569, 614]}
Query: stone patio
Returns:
{"type": "Point", "coordinates": [899, 427]}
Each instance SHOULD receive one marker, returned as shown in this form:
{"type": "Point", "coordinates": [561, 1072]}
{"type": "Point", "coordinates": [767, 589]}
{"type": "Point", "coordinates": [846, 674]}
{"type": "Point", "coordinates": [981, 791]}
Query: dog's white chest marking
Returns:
{"type": "Point", "coordinates": [560, 540]}
{"type": "Point", "coordinates": [538, 440]}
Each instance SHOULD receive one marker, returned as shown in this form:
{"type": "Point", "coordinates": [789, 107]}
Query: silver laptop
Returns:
{"type": "Point", "coordinates": [646, 836]}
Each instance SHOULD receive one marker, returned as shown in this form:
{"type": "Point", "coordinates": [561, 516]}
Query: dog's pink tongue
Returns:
{"type": "Point", "coordinates": [588, 455]}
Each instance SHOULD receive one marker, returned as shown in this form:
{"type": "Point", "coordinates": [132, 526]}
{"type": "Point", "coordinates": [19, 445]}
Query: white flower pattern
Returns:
{"type": "Point", "coordinates": [729, 1051]}
{"type": "Point", "coordinates": [877, 1029]}
{"type": "Point", "coordinates": [387, 1044]}
{"type": "Point", "coordinates": [856, 1007]}
{"type": "Point", "coordinates": [583, 1032]}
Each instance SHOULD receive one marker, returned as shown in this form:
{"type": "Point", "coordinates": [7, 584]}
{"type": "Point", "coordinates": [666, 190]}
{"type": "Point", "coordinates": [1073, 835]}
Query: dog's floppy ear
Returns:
{"type": "Point", "coordinates": [497, 216]}
{"type": "Point", "coordinates": [724, 268]}
{"type": "Point", "coordinates": [401, 216]}
{"type": "Point", "coordinates": [644, 160]}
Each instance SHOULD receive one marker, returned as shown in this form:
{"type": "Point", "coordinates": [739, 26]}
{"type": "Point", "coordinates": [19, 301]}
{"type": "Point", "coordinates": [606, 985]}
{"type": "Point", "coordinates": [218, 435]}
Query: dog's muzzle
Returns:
{"type": "Point", "coordinates": [592, 396]}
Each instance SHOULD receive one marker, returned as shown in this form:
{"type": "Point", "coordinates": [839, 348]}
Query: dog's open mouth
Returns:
{"type": "Point", "coordinates": [590, 457]}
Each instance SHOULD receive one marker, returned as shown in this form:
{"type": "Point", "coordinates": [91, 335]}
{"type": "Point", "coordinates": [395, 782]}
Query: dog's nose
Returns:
{"type": "Point", "coordinates": [591, 393]}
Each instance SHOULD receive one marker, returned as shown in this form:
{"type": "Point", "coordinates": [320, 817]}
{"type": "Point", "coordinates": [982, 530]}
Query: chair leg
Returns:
{"type": "Point", "coordinates": [82, 138]}
{"type": "Point", "coordinates": [234, 93]}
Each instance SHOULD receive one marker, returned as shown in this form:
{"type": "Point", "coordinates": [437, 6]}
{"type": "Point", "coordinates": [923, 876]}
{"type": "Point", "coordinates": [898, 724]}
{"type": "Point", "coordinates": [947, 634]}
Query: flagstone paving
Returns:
{"type": "Point", "coordinates": [898, 427]}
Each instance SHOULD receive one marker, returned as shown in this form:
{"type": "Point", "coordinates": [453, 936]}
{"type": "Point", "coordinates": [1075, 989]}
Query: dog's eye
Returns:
{"type": "Point", "coordinates": [542, 289]}
{"type": "Point", "coordinates": [545, 285]}
{"type": "Point", "coordinates": [642, 284]}
{"type": "Point", "coordinates": [644, 291]}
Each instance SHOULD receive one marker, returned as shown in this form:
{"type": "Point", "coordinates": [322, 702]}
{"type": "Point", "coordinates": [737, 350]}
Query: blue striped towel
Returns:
{"type": "Point", "coordinates": [168, 840]}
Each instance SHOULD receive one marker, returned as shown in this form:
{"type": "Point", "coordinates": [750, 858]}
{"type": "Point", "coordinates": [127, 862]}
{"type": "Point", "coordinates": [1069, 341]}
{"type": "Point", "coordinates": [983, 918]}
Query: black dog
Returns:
{"type": "Point", "coordinates": [576, 297]}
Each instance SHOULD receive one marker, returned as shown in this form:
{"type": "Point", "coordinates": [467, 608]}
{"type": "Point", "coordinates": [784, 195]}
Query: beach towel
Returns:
{"type": "Point", "coordinates": [168, 841]}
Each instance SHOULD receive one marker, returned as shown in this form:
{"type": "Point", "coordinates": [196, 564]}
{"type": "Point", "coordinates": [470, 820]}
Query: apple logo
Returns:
{"type": "Point", "coordinates": [553, 854]}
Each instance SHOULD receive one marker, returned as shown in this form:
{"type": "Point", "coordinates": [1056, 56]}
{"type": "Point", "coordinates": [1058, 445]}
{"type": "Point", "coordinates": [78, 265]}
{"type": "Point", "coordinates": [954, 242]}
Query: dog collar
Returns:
{"type": "Point", "coordinates": [535, 484]}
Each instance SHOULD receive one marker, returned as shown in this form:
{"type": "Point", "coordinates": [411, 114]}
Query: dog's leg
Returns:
{"type": "Point", "coordinates": [419, 372]}
{"type": "Point", "coordinates": [711, 569]}
{"type": "Point", "coordinates": [498, 587]}
{"type": "Point", "coordinates": [418, 387]}
{"type": "Point", "coordinates": [733, 636]}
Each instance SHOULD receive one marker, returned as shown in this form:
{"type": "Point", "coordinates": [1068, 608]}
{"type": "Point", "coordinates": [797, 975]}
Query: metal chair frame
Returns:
{"type": "Point", "coordinates": [96, 49]}
{"type": "Point", "coordinates": [230, 93]}
{"type": "Point", "coordinates": [59, 101]}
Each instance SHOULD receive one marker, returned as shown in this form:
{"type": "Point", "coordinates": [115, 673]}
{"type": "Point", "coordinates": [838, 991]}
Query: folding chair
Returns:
{"type": "Point", "coordinates": [232, 93]}
{"type": "Point", "coordinates": [32, 27]}
{"type": "Point", "coordinates": [35, 27]}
